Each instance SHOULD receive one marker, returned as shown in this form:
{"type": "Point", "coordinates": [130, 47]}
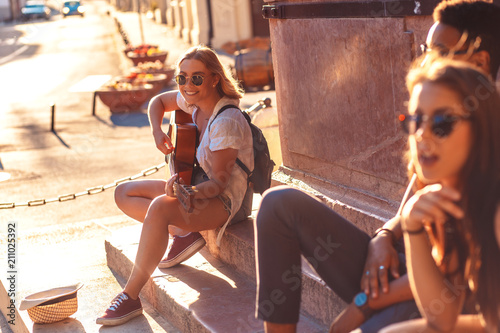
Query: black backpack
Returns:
{"type": "Point", "coordinates": [260, 178]}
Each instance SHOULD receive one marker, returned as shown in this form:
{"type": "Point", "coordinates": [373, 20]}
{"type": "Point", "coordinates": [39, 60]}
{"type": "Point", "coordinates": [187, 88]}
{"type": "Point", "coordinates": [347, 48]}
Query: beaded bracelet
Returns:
{"type": "Point", "coordinates": [389, 231]}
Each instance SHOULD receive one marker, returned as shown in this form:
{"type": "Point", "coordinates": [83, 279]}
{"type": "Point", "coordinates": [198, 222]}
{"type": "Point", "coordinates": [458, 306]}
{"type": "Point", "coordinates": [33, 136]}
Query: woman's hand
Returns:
{"type": "Point", "coordinates": [382, 257]}
{"type": "Point", "coordinates": [169, 187]}
{"type": "Point", "coordinates": [163, 142]}
{"type": "Point", "coordinates": [432, 204]}
{"type": "Point", "coordinates": [431, 208]}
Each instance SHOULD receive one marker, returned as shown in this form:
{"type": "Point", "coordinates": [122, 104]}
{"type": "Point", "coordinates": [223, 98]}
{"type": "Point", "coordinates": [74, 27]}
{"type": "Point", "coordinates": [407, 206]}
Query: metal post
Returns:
{"type": "Point", "coordinates": [53, 116]}
{"type": "Point", "coordinates": [93, 103]}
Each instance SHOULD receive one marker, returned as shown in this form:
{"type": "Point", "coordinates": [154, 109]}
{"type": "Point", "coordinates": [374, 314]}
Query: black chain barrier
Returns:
{"type": "Point", "coordinates": [89, 191]}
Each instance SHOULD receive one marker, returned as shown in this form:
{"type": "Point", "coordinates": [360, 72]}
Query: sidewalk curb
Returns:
{"type": "Point", "coordinates": [67, 253]}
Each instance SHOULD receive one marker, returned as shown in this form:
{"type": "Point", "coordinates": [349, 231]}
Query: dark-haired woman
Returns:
{"type": "Point", "coordinates": [451, 224]}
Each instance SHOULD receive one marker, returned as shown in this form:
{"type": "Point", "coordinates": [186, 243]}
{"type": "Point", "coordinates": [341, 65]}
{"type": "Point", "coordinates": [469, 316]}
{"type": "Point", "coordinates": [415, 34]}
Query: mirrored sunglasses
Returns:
{"type": "Point", "coordinates": [471, 46]}
{"type": "Point", "coordinates": [441, 125]}
{"type": "Point", "coordinates": [181, 80]}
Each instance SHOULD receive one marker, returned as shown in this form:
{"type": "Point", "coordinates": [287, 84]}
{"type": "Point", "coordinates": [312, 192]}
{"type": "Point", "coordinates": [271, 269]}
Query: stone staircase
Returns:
{"type": "Point", "coordinates": [214, 291]}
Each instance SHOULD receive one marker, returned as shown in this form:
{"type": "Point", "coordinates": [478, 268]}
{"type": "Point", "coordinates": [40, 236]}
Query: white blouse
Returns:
{"type": "Point", "coordinates": [229, 130]}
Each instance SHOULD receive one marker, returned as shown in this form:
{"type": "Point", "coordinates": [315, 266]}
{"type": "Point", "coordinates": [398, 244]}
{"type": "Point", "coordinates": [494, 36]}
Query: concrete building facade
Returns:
{"type": "Point", "coordinates": [211, 22]}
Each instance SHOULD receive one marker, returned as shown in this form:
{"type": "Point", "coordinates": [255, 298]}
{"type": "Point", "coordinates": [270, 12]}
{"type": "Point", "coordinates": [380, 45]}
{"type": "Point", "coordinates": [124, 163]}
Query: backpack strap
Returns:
{"type": "Point", "coordinates": [224, 108]}
{"type": "Point", "coordinates": [247, 117]}
{"type": "Point", "coordinates": [243, 167]}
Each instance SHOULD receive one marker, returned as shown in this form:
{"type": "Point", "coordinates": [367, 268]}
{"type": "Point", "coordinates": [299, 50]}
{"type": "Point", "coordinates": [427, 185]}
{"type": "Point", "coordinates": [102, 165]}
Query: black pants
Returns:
{"type": "Point", "coordinates": [291, 223]}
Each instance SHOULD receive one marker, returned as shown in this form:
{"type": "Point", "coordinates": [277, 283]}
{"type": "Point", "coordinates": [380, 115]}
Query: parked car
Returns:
{"type": "Point", "coordinates": [34, 10]}
{"type": "Point", "coordinates": [73, 7]}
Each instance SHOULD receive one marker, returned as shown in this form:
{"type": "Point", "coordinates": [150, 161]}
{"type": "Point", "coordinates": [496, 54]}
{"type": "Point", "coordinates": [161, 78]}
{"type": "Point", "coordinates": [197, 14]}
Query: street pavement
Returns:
{"type": "Point", "coordinates": [62, 243]}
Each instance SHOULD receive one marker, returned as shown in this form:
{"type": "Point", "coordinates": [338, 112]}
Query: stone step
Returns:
{"type": "Point", "coordinates": [203, 294]}
{"type": "Point", "coordinates": [318, 300]}
{"type": "Point", "coordinates": [236, 257]}
{"type": "Point", "coordinates": [237, 251]}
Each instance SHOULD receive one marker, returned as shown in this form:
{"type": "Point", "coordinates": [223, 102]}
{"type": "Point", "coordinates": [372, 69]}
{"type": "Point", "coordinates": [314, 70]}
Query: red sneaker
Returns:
{"type": "Point", "coordinates": [122, 309]}
{"type": "Point", "coordinates": [182, 249]}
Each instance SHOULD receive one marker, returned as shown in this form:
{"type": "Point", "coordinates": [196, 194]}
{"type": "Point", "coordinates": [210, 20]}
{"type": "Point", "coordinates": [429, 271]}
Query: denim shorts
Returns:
{"type": "Point", "coordinates": [226, 202]}
{"type": "Point", "coordinates": [199, 176]}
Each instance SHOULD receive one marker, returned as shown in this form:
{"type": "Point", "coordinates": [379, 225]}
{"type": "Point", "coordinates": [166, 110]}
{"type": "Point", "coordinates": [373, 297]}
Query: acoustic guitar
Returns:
{"type": "Point", "coordinates": [185, 194]}
{"type": "Point", "coordinates": [183, 134]}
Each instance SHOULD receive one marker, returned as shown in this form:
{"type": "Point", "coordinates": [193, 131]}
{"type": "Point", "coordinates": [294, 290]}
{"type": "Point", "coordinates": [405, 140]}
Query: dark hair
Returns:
{"type": "Point", "coordinates": [227, 85]}
{"type": "Point", "coordinates": [479, 19]}
{"type": "Point", "coordinates": [480, 177]}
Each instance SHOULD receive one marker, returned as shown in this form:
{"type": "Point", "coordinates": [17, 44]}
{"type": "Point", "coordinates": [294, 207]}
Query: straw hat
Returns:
{"type": "Point", "coordinates": [51, 305]}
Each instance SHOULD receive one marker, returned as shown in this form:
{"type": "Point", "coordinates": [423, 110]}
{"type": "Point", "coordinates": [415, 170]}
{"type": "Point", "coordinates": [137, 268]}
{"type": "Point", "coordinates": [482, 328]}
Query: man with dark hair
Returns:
{"type": "Point", "coordinates": [463, 29]}
{"type": "Point", "coordinates": [467, 30]}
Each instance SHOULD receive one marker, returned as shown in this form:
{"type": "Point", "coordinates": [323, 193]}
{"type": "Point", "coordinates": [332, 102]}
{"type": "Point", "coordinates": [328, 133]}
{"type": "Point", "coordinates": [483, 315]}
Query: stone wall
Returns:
{"type": "Point", "coordinates": [340, 84]}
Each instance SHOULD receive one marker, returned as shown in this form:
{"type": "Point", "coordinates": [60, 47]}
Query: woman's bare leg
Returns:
{"type": "Point", "coordinates": [175, 231]}
{"type": "Point", "coordinates": [134, 197]}
{"type": "Point", "coordinates": [465, 324]}
{"type": "Point", "coordinates": [163, 212]}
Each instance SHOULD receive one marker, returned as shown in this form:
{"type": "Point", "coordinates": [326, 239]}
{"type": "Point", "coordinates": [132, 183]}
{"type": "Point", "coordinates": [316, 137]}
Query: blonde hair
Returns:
{"type": "Point", "coordinates": [227, 86]}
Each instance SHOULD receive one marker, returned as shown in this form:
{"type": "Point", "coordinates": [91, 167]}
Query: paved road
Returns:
{"type": "Point", "coordinates": [60, 243]}
{"type": "Point", "coordinates": [85, 151]}
{"type": "Point", "coordinates": [43, 63]}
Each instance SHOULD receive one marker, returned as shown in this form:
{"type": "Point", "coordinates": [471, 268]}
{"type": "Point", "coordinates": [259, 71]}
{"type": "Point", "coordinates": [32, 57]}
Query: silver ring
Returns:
{"type": "Point", "coordinates": [381, 267]}
{"type": "Point", "coordinates": [367, 273]}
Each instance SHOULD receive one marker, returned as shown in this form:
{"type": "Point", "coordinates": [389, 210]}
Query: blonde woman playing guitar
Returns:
{"type": "Point", "coordinates": [204, 87]}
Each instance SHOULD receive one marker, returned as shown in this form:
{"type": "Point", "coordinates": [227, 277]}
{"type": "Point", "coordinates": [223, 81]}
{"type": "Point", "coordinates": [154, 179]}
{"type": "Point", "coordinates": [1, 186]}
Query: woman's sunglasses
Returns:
{"type": "Point", "coordinates": [197, 80]}
{"type": "Point", "coordinates": [441, 125]}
